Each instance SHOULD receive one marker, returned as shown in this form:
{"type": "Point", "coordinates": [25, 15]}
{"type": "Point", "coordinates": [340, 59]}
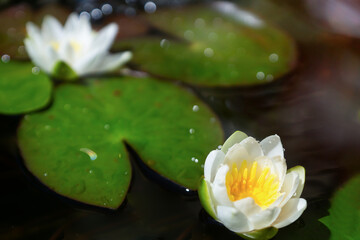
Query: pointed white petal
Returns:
{"type": "Point", "coordinates": [233, 219]}
{"type": "Point", "coordinates": [72, 24]}
{"type": "Point", "coordinates": [113, 61]}
{"type": "Point", "coordinates": [33, 52]}
{"type": "Point", "coordinates": [32, 30]}
{"type": "Point", "coordinates": [247, 206]}
{"type": "Point", "coordinates": [264, 218]}
{"type": "Point", "coordinates": [272, 146]}
{"type": "Point", "coordinates": [301, 173]}
{"type": "Point", "coordinates": [279, 168]}
{"type": "Point", "coordinates": [105, 37]}
{"type": "Point", "coordinates": [289, 187]}
{"type": "Point", "coordinates": [253, 147]}
{"type": "Point", "coordinates": [212, 163]}
{"type": "Point", "coordinates": [236, 137]}
{"type": "Point", "coordinates": [237, 154]}
{"type": "Point", "coordinates": [219, 187]}
{"type": "Point", "coordinates": [51, 29]}
{"type": "Point", "coordinates": [290, 212]}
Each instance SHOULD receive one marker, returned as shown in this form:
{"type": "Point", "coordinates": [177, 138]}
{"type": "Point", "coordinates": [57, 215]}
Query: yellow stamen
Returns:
{"type": "Point", "coordinates": [75, 45]}
{"type": "Point", "coordinates": [262, 186]}
{"type": "Point", "coordinates": [55, 45]}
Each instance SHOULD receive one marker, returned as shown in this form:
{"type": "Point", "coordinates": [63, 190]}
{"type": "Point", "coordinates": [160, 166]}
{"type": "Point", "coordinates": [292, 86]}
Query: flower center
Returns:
{"type": "Point", "coordinates": [247, 182]}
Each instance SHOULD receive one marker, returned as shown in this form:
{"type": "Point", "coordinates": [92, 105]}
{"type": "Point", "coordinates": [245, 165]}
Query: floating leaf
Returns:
{"type": "Point", "coordinates": [77, 146]}
{"type": "Point", "coordinates": [221, 46]}
{"type": "Point", "coordinates": [23, 88]}
{"type": "Point", "coordinates": [344, 218]}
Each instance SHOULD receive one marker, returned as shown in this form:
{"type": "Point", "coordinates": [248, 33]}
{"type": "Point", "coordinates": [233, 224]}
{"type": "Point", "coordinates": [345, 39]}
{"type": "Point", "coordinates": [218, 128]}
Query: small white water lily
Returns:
{"type": "Point", "coordinates": [248, 189]}
{"type": "Point", "coordinates": [73, 50]}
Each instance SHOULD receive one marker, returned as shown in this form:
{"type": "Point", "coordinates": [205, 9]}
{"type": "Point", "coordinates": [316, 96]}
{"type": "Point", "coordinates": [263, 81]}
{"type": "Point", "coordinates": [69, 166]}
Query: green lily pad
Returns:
{"type": "Point", "coordinates": [77, 147]}
{"type": "Point", "coordinates": [344, 218]}
{"type": "Point", "coordinates": [23, 88]}
{"type": "Point", "coordinates": [214, 46]}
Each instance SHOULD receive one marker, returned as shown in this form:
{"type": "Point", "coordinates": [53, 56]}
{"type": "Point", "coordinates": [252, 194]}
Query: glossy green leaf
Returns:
{"type": "Point", "coordinates": [170, 129]}
{"type": "Point", "coordinates": [263, 234]}
{"type": "Point", "coordinates": [205, 198]}
{"type": "Point", "coordinates": [344, 218]}
{"type": "Point", "coordinates": [213, 47]}
{"type": "Point", "coordinates": [23, 88]}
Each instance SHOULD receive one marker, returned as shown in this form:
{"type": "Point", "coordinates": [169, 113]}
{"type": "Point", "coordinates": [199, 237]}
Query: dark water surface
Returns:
{"type": "Point", "coordinates": [315, 110]}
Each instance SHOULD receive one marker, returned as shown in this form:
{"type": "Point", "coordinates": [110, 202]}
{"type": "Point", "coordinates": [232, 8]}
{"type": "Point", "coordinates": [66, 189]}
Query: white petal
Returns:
{"type": "Point", "coordinates": [33, 53]}
{"type": "Point", "coordinates": [290, 212]}
{"type": "Point", "coordinates": [51, 29]}
{"type": "Point", "coordinates": [247, 206]}
{"type": "Point", "coordinates": [233, 219]}
{"type": "Point", "coordinates": [264, 218]}
{"type": "Point", "coordinates": [253, 147]}
{"type": "Point", "coordinates": [67, 53]}
{"type": "Point", "coordinates": [219, 187]}
{"type": "Point", "coordinates": [212, 163]}
{"type": "Point", "coordinates": [291, 183]}
{"type": "Point", "coordinates": [279, 168]}
{"type": "Point", "coordinates": [272, 146]}
{"type": "Point", "coordinates": [236, 154]}
{"type": "Point", "coordinates": [301, 173]}
{"type": "Point", "coordinates": [111, 62]}
{"type": "Point", "coordinates": [72, 24]}
{"type": "Point", "coordinates": [105, 38]}
{"type": "Point", "coordinates": [236, 137]}
{"type": "Point", "coordinates": [33, 31]}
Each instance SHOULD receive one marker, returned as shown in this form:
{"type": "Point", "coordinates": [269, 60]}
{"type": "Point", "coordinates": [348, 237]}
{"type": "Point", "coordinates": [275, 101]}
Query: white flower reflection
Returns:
{"type": "Point", "coordinates": [75, 45]}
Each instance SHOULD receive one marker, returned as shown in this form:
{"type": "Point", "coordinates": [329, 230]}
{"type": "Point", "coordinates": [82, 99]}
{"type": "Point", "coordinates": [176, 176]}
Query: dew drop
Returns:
{"type": "Point", "coordinates": [269, 77]}
{"type": "Point", "coordinates": [219, 147]}
{"type": "Point", "coordinates": [188, 190]}
{"type": "Point", "coordinates": [213, 36]}
{"type": "Point", "coordinates": [208, 52]}
{"type": "Point", "coordinates": [164, 43]}
{"type": "Point", "coordinates": [47, 127]}
{"type": "Point", "coordinates": [274, 57]}
{"type": "Point", "coordinates": [193, 159]}
{"type": "Point", "coordinates": [119, 155]}
{"type": "Point", "coordinates": [45, 174]}
{"type": "Point", "coordinates": [92, 155]}
{"type": "Point", "coordinates": [189, 35]}
{"type": "Point", "coordinates": [195, 108]}
{"type": "Point", "coordinates": [150, 7]}
{"type": "Point", "coordinates": [107, 9]}
{"type": "Point", "coordinates": [35, 70]}
{"type": "Point", "coordinates": [191, 131]}
{"type": "Point", "coordinates": [96, 14]}
{"type": "Point", "coordinates": [199, 23]}
{"type": "Point", "coordinates": [85, 15]}
{"type": "Point", "coordinates": [125, 173]}
{"type": "Point", "coordinates": [196, 160]}
{"type": "Point", "coordinates": [106, 126]}
{"type": "Point", "coordinates": [5, 58]}
{"type": "Point", "coordinates": [260, 75]}
{"type": "Point", "coordinates": [90, 171]}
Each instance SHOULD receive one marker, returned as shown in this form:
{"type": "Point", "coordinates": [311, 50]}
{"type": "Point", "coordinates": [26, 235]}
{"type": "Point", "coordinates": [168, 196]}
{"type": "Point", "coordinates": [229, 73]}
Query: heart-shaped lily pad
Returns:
{"type": "Point", "coordinates": [219, 46]}
{"type": "Point", "coordinates": [23, 88]}
{"type": "Point", "coordinates": [77, 146]}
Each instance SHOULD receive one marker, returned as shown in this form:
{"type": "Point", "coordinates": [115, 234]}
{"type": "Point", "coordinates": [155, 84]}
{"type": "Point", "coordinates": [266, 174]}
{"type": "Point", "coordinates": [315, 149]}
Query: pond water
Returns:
{"type": "Point", "coordinates": [315, 109]}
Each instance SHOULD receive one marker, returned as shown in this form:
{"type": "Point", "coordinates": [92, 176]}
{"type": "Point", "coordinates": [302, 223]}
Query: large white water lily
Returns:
{"type": "Point", "coordinates": [73, 50]}
{"type": "Point", "coordinates": [248, 188]}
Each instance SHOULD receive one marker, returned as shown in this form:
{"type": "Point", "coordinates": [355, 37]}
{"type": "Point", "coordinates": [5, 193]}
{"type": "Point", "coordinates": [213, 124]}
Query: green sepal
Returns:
{"type": "Point", "coordinates": [301, 172]}
{"type": "Point", "coordinates": [236, 137]}
{"type": "Point", "coordinates": [205, 198]}
{"type": "Point", "coordinates": [262, 234]}
{"type": "Point", "coordinates": [63, 71]}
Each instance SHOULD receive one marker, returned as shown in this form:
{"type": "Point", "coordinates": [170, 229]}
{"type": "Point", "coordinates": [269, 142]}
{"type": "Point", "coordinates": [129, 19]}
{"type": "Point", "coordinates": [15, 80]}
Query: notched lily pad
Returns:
{"type": "Point", "coordinates": [23, 88]}
{"type": "Point", "coordinates": [218, 46]}
{"type": "Point", "coordinates": [77, 146]}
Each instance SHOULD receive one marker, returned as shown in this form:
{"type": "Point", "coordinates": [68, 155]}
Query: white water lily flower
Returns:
{"type": "Point", "coordinates": [73, 50]}
{"type": "Point", "coordinates": [248, 189]}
